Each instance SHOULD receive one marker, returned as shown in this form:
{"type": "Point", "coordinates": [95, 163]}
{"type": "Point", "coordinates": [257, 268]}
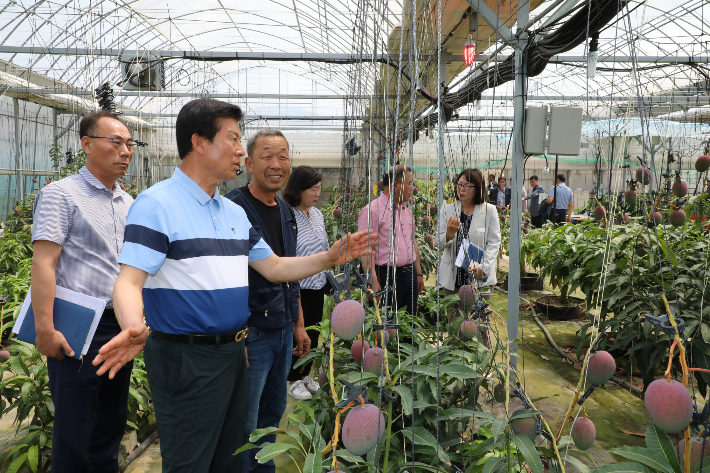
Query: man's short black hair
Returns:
{"type": "Point", "coordinates": [491, 175]}
{"type": "Point", "coordinates": [534, 177]}
{"type": "Point", "coordinates": [302, 178]}
{"type": "Point", "coordinates": [501, 178]}
{"type": "Point", "coordinates": [89, 122]}
{"type": "Point", "coordinates": [396, 174]}
{"type": "Point", "coordinates": [202, 116]}
{"type": "Point", "coordinates": [561, 177]}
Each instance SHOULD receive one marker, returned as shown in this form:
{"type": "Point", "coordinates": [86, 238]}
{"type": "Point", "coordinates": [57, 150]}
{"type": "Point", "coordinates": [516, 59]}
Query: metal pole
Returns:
{"type": "Point", "coordinates": [54, 126]}
{"type": "Point", "coordinates": [517, 181]}
{"type": "Point", "coordinates": [18, 158]}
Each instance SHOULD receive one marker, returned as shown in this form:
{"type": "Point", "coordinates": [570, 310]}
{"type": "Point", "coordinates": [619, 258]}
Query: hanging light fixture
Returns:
{"type": "Point", "coordinates": [593, 56]}
{"type": "Point", "coordinates": [469, 51]}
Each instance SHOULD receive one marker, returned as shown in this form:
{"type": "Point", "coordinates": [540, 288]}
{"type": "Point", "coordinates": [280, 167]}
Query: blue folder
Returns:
{"type": "Point", "coordinates": [471, 254]}
{"type": "Point", "coordinates": [72, 320]}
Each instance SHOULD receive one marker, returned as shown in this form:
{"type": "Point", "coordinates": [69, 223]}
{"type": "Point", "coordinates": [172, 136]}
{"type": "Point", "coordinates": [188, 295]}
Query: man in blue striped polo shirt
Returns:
{"type": "Point", "coordinates": [185, 257]}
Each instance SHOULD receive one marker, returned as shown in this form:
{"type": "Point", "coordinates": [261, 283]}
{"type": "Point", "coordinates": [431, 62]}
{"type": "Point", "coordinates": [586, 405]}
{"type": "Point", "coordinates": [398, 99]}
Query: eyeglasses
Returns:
{"type": "Point", "coordinates": [462, 186]}
{"type": "Point", "coordinates": [315, 190]}
{"type": "Point", "coordinates": [118, 143]}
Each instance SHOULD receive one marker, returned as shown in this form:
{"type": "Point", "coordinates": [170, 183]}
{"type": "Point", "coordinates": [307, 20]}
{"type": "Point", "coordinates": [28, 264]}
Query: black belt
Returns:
{"type": "Point", "coordinates": [205, 339]}
{"type": "Point", "coordinates": [405, 269]}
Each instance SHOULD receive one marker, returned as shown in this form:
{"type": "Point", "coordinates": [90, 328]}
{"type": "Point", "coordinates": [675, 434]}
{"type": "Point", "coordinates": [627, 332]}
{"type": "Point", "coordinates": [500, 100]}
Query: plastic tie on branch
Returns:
{"type": "Point", "coordinates": [701, 420]}
{"type": "Point", "coordinates": [364, 282]}
{"type": "Point", "coordinates": [385, 326]}
{"type": "Point", "coordinates": [383, 392]}
{"type": "Point", "coordinates": [520, 393]}
{"type": "Point", "coordinates": [340, 286]}
{"type": "Point", "coordinates": [539, 428]}
{"type": "Point", "coordinates": [586, 394]}
{"type": "Point", "coordinates": [664, 323]}
{"type": "Point", "coordinates": [353, 393]}
{"type": "Point", "coordinates": [602, 336]}
{"type": "Point", "coordinates": [480, 309]}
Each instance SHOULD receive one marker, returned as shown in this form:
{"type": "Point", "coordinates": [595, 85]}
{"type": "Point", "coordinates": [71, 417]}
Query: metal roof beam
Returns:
{"type": "Point", "coordinates": [323, 57]}
{"type": "Point", "coordinates": [678, 98]}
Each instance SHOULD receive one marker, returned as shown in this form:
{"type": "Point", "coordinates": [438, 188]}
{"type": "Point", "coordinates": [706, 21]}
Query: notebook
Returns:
{"type": "Point", "coordinates": [469, 253]}
{"type": "Point", "coordinates": [76, 316]}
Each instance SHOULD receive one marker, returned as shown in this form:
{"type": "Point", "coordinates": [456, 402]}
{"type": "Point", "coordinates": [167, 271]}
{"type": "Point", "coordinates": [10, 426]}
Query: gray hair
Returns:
{"type": "Point", "coordinates": [251, 144]}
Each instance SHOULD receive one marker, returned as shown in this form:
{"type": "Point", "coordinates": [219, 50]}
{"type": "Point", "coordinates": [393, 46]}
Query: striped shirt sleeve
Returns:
{"type": "Point", "coordinates": [258, 249]}
{"type": "Point", "coordinates": [52, 215]}
{"type": "Point", "coordinates": [146, 241]}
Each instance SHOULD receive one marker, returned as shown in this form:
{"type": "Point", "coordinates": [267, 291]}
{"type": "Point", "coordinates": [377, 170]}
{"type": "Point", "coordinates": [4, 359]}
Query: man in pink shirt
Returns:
{"type": "Point", "coordinates": [395, 257]}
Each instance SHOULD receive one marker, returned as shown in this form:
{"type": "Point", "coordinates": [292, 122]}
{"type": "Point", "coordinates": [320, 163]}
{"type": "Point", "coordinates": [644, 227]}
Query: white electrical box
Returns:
{"type": "Point", "coordinates": [535, 130]}
{"type": "Point", "coordinates": [565, 133]}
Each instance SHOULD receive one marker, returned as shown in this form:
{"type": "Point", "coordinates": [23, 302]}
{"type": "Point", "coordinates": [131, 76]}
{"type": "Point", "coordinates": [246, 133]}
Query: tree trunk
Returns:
{"type": "Point", "coordinates": [563, 294]}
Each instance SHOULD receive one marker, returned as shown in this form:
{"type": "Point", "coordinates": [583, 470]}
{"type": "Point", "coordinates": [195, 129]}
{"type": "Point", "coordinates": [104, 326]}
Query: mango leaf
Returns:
{"type": "Point", "coordinates": [17, 463]}
{"type": "Point", "coordinates": [347, 456]}
{"type": "Point", "coordinates": [646, 456]}
{"type": "Point", "coordinates": [424, 369]}
{"type": "Point", "coordinates": [705, 331]}
{"type": "Point", "coordinates": [273, 449]}
{"type": "Point", "coordinates": [405, 395]}
{"type": "Point", "coordinates": [313, 464]}
{"type": "Point", "coordinates": [33, 457]}
{"type": "Point", "coordinates": [417, 466]}
{"type": "Point", "coordinates": [482, 448]}
{"type": "Point", "coordinates": [484, 415]}
{"type": "Point", "coordinates": [460, 413]}
{"type": "Point", "coordinates": [529, 452]}
{"type": "Point", "coordinates": [459, 370]}
{"type": "Point", "coordinates": [498, 427]}
{"type": "Point", "coordinates": [577, 463]}
{"type": "Point", "coordinates": [245, 447]}
{"type": "Point", "coordinates": [421, 436]}
{"type": "Point", "coordinates": [495, 465]}
{"type": "Point", "coordinates": [307, 410]}
{"type": "Point", "coordinates": [658, 441]}
{"type": "Point", "coordinates": [258, 433]}
{"type": "Point", "coordinates": [624, 467]}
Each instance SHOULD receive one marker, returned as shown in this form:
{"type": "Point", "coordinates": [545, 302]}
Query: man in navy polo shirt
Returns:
{"type": "Point", "coordinates": [185, 258]}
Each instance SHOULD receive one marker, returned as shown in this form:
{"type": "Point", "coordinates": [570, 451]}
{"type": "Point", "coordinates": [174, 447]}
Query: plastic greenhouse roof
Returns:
{"type": "Point", "coordinates": [636, 127]}
{"type": "Point", "coordinates": [653, 28]}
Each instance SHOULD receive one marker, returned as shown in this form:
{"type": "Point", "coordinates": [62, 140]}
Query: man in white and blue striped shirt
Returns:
{"type": "Point", "coordinates": [186, 257]}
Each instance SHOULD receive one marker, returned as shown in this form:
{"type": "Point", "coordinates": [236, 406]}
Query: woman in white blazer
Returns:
{"type": "Point", "coordinates": [472, 218]}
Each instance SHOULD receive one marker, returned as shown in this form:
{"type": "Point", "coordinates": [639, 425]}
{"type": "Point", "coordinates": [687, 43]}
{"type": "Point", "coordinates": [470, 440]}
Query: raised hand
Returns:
{"type": "Point", "coordinates": [351, 246]}
{"type": "Point", "coordinates": [120, 350]}
{"type": "Point", "coordinates": [452, 226]}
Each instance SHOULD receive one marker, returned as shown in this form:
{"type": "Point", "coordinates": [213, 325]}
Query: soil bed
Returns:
{"type": "Point", "coordinates": [552, 308]}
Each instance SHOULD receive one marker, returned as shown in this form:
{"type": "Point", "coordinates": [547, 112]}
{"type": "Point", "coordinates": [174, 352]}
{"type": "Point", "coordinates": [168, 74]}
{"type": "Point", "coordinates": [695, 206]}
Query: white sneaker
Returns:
{"type": "Point", "coordinates": [311, 384]}
{"type": "Point", "coordinates": [298, 391]}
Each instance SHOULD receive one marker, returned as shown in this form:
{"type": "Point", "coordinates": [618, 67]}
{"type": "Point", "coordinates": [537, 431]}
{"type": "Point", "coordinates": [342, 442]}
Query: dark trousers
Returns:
{"type": "Point", "coordinates": [561, 216]}
{"type": "Point", "coordinates": [270, 356]}
{"type": "Point", "coordinates": [312, 305]}
{"type": "Point", "coordinates": [536, 221]}
{"type": "Point", "coordinates": [89, 411]}
{"type": "Point", "coordinates": [200, 395]}
{"type": "Point", "coordinates": [404, 279]}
